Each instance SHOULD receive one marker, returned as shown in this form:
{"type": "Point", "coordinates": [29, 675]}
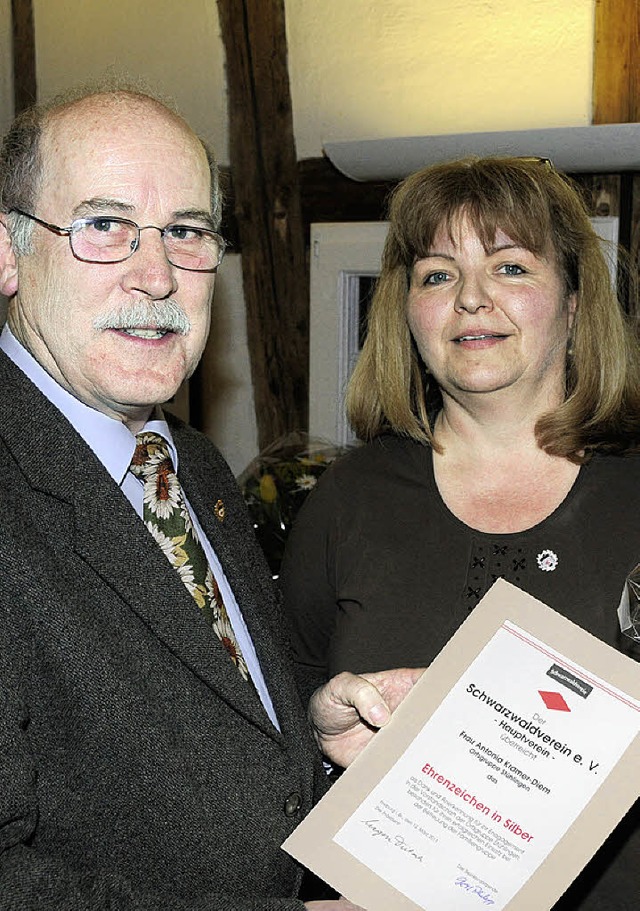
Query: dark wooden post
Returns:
{"type": "Point", "coordinates": [616, 99]}
{"type": "Point", "coordinates": [616, 76]}
{"type": "Point", "coordinates": [268, 212]}
{"type": "Point", "coordinates": [24, 55]}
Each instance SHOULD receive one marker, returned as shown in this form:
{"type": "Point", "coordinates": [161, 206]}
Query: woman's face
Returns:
{"type": "Point", "coordinates": [486, 321]}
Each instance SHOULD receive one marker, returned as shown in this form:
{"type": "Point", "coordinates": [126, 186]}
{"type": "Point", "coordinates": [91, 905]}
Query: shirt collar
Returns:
{"type": "Point", "coordinates": [111, 440]}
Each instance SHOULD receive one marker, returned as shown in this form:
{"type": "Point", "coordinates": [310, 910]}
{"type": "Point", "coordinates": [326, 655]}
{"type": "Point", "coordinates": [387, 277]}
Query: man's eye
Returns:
{"type": "Point", "coordinates": [105, 225]}
{"type": "Point", "coordinates": [183, 232]}
{"type": "Point", "coordinates": [512, 269]}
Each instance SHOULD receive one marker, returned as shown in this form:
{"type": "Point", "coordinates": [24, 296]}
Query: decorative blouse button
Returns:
{"type": "Point", "coordinates": [547, 561]}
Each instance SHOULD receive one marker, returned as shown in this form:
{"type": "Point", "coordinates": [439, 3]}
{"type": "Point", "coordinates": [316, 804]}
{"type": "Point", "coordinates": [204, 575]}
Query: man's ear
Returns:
{"type": "Point", "coordinates": [8, 264]}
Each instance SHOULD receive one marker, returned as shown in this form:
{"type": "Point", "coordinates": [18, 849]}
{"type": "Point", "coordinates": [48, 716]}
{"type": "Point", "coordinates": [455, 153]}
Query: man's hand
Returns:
{"type": "Point", "coordinates": [347, 711]}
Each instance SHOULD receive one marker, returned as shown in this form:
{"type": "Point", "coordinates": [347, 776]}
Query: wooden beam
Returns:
{"type": "Point", "coordinates": [25, 90]}
{"type": "Point", "coordinates": [268, 213]}
{"type": "Point", "coordinates": [616, 77]}
{"type": "Point", "coordinates": [325, 195]}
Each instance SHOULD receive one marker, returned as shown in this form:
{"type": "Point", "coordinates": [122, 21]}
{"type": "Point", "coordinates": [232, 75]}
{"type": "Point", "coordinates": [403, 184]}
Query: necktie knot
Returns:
{"type": "Point", "coordinates": [153, 465]}
{"type": "Point", "coordinates": [151, 449]}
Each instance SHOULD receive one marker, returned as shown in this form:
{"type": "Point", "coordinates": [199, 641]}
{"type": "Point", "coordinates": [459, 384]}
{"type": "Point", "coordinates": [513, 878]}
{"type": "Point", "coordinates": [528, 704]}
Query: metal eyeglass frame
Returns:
{"type": "Point", "coordinates": [78, 223]}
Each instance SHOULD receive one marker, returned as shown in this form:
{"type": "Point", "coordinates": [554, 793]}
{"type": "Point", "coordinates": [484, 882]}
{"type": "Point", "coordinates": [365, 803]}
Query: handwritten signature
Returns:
{"type": "Point", "coordinates": [396, 841]}
{"type": "Point", "coordinates": [474, 889]}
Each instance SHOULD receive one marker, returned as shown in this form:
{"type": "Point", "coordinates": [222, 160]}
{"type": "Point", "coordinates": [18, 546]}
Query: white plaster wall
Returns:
{"type": "Point", "coordinates": [174, 45]}
{"type": "Point", "coordinates": [226, 371]}
{"type": "Point", "coordinates": [365, 69]}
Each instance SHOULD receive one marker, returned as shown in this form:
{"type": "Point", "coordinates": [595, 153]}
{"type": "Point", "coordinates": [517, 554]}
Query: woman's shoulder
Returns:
{"type": "Point", "coordinates": [624, 467]}
{"type": "Point", "coordinates": [614, 477]}
{"type": "Point", "coordinates": [379, 467]}
{"type": "Point", "coordinates": [388, 452]}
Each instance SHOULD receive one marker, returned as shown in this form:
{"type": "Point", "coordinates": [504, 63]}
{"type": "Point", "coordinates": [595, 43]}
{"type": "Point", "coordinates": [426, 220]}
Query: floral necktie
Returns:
{"type": "Point", "coordinates": [167, 518]}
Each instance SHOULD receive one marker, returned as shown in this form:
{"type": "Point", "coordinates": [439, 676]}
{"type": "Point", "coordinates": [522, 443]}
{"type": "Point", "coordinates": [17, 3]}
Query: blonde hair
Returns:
{"type": "Point", "coordinates": [539, 209]}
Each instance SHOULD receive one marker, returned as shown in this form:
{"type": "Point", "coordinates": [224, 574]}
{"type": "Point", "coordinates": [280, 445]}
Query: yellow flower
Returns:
{"type": "Point", "coordinates": [317, 458]}
{"type": "Point", "coordinates": [199, 593]}
{"type": "Point", "coordinates": [268, 489]}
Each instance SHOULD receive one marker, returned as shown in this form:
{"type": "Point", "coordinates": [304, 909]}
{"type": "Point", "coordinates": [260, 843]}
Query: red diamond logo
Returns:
{"type": "Point", "coordinates": [554, 701]}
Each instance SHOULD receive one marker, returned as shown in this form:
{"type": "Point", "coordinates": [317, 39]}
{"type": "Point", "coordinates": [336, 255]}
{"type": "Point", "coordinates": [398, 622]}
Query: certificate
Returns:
{"type": "Point", "coordinates": [498, 777]}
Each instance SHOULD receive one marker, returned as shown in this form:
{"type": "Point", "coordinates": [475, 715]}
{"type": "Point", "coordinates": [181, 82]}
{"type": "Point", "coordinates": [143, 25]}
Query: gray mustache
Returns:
{"type": "Point", "coordinates": [164, 314]}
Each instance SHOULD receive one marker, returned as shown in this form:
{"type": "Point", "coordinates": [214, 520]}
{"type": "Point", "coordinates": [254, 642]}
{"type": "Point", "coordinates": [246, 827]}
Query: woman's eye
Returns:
{"type": "Point", "coordinates": [435, 278]}
{"type": "Point", "coordinates": [511, 269]}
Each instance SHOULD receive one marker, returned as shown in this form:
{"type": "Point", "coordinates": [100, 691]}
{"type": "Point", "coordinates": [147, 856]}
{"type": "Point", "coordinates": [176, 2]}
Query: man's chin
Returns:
{"type": "Point", "coordinates": [140, 407]}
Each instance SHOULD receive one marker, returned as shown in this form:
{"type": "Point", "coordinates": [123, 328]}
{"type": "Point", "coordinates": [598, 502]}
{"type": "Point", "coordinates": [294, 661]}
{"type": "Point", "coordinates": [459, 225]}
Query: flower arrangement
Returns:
{"type": "Point", "coordinates": [275, 485]}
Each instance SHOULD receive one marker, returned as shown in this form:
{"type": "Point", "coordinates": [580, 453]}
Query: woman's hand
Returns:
{"type": "Point", "coordinates": [347, 711]}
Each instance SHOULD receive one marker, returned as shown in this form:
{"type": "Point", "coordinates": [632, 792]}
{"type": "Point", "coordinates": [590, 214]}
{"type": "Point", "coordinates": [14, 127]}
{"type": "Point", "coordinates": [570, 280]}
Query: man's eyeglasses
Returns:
{"type": "Point", "coordinates": [107, 239]}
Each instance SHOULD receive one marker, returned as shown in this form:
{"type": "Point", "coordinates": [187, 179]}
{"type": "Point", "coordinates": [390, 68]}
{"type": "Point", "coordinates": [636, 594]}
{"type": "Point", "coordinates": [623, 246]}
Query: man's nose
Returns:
{"type": "Point", "coordinates": [150, 272]}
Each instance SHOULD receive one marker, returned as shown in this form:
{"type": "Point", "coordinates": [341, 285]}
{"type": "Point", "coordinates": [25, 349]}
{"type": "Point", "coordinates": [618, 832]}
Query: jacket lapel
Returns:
{"type": "Point", "coordinates": [108, 535]}
{"type": "Point", "coordinates": [232, 539]}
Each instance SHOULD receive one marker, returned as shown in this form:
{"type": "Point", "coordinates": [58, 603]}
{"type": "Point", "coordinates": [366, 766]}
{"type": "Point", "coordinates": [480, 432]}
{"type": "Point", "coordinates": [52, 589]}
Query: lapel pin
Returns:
{"type": "Point", "coordinates": [220, 511]}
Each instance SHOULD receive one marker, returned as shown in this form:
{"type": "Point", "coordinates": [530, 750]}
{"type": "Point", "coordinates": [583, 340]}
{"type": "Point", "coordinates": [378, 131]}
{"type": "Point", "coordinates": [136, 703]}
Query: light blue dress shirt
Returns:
{"type": "Point", "coordinates": [114, 445]}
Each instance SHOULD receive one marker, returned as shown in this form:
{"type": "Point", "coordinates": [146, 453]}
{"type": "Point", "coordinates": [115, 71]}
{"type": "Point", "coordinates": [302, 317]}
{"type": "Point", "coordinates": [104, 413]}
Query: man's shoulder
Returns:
{"type": "Point", "coordinates": [32, 429]}
{"type": "Point", "coordinates": [13, 381]}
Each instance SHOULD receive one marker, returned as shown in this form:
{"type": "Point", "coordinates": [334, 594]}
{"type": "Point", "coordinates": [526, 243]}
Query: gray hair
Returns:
{"type": "Point", "coordinates": [21, 158]}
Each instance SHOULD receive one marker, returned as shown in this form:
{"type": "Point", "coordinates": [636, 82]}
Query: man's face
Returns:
{"type": "Point", "coordinates": [131, 160]}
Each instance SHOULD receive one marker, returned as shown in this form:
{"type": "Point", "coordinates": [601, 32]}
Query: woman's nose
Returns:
{"type": "Point", "coordinates": [473, 295]}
